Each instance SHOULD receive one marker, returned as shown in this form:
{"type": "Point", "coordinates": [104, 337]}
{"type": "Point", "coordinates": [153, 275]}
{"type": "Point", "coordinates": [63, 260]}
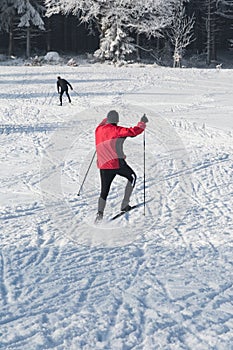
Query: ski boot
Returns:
{"type": "Point", "coordinates": [99, 217]}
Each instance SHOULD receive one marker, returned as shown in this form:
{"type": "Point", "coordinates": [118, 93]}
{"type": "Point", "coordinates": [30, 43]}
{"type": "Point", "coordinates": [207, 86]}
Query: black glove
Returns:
{"type": "Point", "coordinates": [144, 119]}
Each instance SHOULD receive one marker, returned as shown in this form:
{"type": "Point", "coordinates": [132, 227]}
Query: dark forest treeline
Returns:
{"type": "Point", "coordinates": [212, 33]}
{"type": "Point", "coordinates": [64, 34]}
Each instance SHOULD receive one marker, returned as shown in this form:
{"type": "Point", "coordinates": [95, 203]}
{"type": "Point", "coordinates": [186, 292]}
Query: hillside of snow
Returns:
{"type": "Point", "coordinates": [159, 281]}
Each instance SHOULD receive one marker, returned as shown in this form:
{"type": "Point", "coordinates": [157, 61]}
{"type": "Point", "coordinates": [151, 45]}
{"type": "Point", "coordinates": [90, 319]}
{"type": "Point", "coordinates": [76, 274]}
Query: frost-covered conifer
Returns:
{"type": "Point", "coordinates": [7, 11]}
{"type": "Point", "coordinates": [7, 15]}
{"type": "Point", "coordinates": [56, 6]}
{"type": "Point", "coordinates": [21, 14]}
{"type": "Point", "coordinates": [30, 13]}
{"type": "Point", "coordinates": [115, 45]}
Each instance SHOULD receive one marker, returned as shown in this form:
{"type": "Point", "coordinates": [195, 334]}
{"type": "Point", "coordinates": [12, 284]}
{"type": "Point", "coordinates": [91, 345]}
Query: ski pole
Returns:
{"type": "Point", "coordinates": [50, 99]}
{"type": "Point", "coordinates": [76, 93]}
{"type": "Point", "coordinates": [86, 173]}
{"type": "Point", "coordinates": [144, 170]}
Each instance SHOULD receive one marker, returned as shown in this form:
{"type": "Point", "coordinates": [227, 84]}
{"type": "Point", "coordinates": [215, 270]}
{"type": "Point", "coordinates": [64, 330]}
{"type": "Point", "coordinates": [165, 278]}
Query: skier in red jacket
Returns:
{"type": "Point", "coordinates": [109, 138]}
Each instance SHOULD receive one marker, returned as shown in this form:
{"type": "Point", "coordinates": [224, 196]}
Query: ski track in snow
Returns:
{"type": "Point", "coordinates": [159, 281]}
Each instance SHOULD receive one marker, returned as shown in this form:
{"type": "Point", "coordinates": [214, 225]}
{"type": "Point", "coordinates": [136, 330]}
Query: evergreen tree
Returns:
{"type": "Point", "coordinates": [7, 15]}
{"type": "Point", "coordinates": [119, 23]}
{"type": "Point", "coordinates": [30, 16]}
{"type": "Point", "coordinates": [115, 45]}
{"type": "Point", "coordinates": [225, 11]}
{"type": "Point", "coordinates": [7, 9]}
{"type": "Point", "coordinates": [208, 27]}
{"type": "Point", "coordinates": [21, 16]}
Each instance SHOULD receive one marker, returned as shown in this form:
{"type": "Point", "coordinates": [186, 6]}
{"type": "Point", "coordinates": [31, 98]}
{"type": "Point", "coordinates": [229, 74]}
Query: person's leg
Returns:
{"type": "Point", "coordinates": [106, 176]}
{"type": "Point", "coordinates": [61, 93]}
{"type": "Point", "coordinates": [129, 174]}
{"type": "Point", "coordinates": [67, 94]}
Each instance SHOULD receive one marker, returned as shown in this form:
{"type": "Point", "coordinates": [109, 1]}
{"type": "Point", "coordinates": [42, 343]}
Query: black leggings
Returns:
{"type": "Point", "coordinates": [107, 176]}
{"type": "Point", "coordinates": [67, 94]}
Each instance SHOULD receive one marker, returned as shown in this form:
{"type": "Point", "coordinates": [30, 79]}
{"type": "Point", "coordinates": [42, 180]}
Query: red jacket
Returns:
{"type": "Point", "coordinates": [109, 140]}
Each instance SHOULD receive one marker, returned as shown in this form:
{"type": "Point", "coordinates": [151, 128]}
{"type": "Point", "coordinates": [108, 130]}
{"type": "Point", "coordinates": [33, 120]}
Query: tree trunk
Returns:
{"type": "Point", "coordinates": [208, 27]}
{"type": "Point", "coordinates": [28, 48]}
{"type": "Point", "coordinates": [48, 36]}
{"type": "Point", "coordinates": [10, 47]}
{"type": "Point", "coordinates": [11, 39]}
{"type": "Point", "coordinates": [138, 48]}
{"type": "Point", "coordinates": [213, 50]}
{"type": "Point", "coordinates": [211, 31]}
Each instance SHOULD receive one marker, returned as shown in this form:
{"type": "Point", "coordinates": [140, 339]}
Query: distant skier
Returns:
{"type": "Point", "coordinates": [109, 138]}
{"type": "Point", "coordinates": [62, 86]}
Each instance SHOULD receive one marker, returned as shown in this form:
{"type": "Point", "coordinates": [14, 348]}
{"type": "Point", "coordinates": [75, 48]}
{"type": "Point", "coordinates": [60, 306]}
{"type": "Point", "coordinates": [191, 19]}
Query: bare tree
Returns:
{"type": "Point", "coordinates": [180, 33]}
{"type": "Point", "coordinates": [151, 19]}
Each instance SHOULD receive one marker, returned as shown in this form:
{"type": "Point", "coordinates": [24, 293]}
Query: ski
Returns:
{"type": "Point", "coordinates": [125, 212]}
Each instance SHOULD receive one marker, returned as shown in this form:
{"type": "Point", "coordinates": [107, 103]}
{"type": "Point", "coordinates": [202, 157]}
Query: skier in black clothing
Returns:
{"type": "Point", "coordinates": [62, 86]}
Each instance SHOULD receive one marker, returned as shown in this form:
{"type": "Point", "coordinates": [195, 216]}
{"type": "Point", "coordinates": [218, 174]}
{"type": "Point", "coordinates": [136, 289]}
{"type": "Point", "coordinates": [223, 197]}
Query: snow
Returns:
{"type": "Point", "coordinates": [52, 56]}
{"type": "Point", "coordinates": [159, 281]}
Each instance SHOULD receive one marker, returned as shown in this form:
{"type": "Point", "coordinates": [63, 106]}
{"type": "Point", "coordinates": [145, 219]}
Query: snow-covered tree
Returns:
{"type": "Point", "coordinates": [116, 19]}
{"type": "Point", "coordinates": [7, 9]}
{"type": "Point", "coordinates": [151, 18]}
{"type": "Point", "coordinates": [109, 18]}
{"type": "Point", "coordinates": [115, 45]}
{"type": "Point", "coordinates": [58, 6]}
{"type": "Point", "coordinates": [22, 14]}
{"type": "Point", "coordinates": [180, 33]}
{"type": "Point", "coordinates": [30, 16]}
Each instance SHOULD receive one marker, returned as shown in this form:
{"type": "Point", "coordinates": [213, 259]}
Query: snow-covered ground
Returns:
{"type": "Point", "coordinates": [162, 280]}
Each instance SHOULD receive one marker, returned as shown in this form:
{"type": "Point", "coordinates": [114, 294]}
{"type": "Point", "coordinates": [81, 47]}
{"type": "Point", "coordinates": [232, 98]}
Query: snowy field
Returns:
{"type": "Point", "coordinates": [162, 280]}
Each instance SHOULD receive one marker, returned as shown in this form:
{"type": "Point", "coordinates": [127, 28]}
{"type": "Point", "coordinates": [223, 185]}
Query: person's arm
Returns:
{"type": "Point", "coordinates": [132, 131]}
{"type": "Point", "coordinates": [69, 85]}
{"type": "Point", "coordinates": [58, 85]}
